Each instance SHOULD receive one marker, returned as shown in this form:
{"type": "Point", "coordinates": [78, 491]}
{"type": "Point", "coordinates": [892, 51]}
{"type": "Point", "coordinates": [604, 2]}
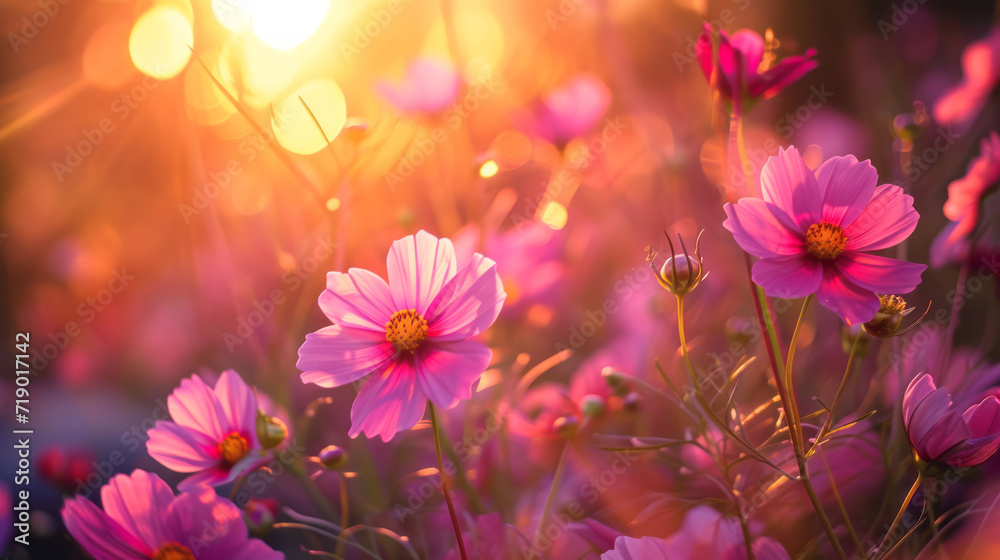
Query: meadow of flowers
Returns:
{"type": "Point", "coordinates": [469, 279]}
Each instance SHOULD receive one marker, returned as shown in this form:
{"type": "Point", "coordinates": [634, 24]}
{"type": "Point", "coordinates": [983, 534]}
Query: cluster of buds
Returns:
{"type": "Point", "coordinates": [680, 273]}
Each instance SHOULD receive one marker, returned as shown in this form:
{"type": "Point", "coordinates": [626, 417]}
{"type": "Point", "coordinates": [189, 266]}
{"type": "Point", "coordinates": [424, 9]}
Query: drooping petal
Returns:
{"type": "Point", "coordinates": [880, 274]}
{"type": "Point", "coordinates": [137, 502]}
{"type": "Point", "coordinates": [446, 371]}
{"type": "Point", "coordinates": [468, 304]}
{"type": "Point", "coordinates": [181, 449]}
{"type": "Point", "coordinates": [851, 302]}
{"type": "Point", "coordinates": [390, 401]}
{"type": "Point", "coordinates": [790, 185]}
{"type": "Point", "coordinates": [238, 403]}
{"type": "Point", "coordinates": [100, 535]}
{"type": "Point", "coordinates": [847, 186]}
{"type": "Point", "coordinates": [759, 231]}
{"type": "Point", "coordinates": [195, 405]}
{"type": "Point", "coordinates": [790, 276]}
{"type": "Point", "coordinates": [336, 355]}
{"type": "Point", "coordinates": [783, 74]}
{"type": "Point", "coordinates": [419, 266]}
{"type": "Point", "coordinates": [646, 548]}
{"type": "Point", "coordinates": [886, 221]}
{"type": "Point", "coordinates": [359, 299]}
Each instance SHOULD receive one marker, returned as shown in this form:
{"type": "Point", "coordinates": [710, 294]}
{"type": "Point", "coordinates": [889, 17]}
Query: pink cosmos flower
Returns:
{"type": "Point", "coordinates": [570, 111]}
{"type": "Point", "coordinates": [213, 433]}
{"type": "Point", "coordinates": [962, 207]}
{"type": "Point", "coordinates": [981, 66]}
{"type": "Point", "coordinates": [412, 335]}
{"type": "Point", "coordinates": [938, 435]}
{"type": "Point", "coordinates": [430, 85]}
{"type": "Point", "coordinates": [736, 71]}
{"type": "Point", "coordinates": [813, 230]}
{"type": "Point", "coordinates": [142, 519]}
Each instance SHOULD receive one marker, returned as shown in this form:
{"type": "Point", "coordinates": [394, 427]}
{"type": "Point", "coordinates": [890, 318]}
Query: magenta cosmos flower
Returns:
{"type": "Point", "coordinates": [962, 207]}
{"type": "Point", "coordinates": [570, 111]}
{"type": "Point", "coordinates": [412, 334]}
{"type": "Point", "coordinates": [812, 233]}
{"type": "Point", "coordinates": [939, 436]}
{"type": "Point", "coordinates": [430, 86]}
{"type": "Point", "coordinates": [213, 433]}
{"type": "Point", "coordinates": [736, 72]}
{"type": "Point", "coordinates": [142, 519]}
{"type": "Point", "coordinates": [981, 68]}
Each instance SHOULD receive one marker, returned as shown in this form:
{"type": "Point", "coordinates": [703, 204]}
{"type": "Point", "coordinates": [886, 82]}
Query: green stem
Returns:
{"type": "Point", "coordinates": [899, 516]}
{"type": "Point", "coordinates": [794, 422]}
{"type": "Point", "coordinates": [551, 498]}
{"type": "Point", "coordinates": [840, 393]}
{"type": "Point", "coordinates": [795, 429]}
{"type": "Point", "coordinates": [343, 514]}
{"type": "Point", "coordinates": [444, 481]}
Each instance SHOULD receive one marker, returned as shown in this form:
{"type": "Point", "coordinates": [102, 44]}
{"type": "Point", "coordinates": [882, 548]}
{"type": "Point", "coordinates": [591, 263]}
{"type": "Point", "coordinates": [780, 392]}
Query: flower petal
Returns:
{"type": "Point", "coordinates": [195, 405]}
{"type": "Point", "coordinates": [99, 535]}
{"type": "Point", "coordinates": [390, 401]}
{"type": "Point", "coordinates": [880, 274]}
{"type": "Point", "coordinates": [238, 402]}
{"type": "Point", "coordinates": [790, 185]}
{"type": "Point", "coordinates": [337, 355]}
{"type": "Point", "coordinates": [851, 302]}
{"type": "Point", "coordinates": [359, 299]}
{"type": "Point", "coordinates": [790, 276]}
{"type": "Point", "coordinates": [751, 46]}
{"type": "Point", "coordinates": [419, 266]}
{"type": "Point", "coordinates": [137, 502]}
{"type": "Point", "coordinates": [446, 371]}
{"type": "Point", "coordinates": [888, 219]}
{"type": "Point", "coordinates": [760, 231]}
{"type": "Point", "coordinates": [212, 525]}
{"type": "Point", "coordinates": [847, 186]}
{"type": "Point", "coordinates": [181, 449]}
{"type": "Point", "coordinates": [469, 303]}
{"type": "Point", "coordinates": [646, 548]}
{"type": "Point", "coordinates": [783, 74]}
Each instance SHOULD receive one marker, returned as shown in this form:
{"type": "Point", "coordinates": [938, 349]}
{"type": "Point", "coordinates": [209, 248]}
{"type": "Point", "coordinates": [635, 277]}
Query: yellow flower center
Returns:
{"type": "Point", "coordinates": [825, 241]}
{"type": "Point", "coordinates": [406, 330]}
{"type": "Point", "coordinates": [233, 448]}
{"type": "Point", "coordinates": [173, 551]}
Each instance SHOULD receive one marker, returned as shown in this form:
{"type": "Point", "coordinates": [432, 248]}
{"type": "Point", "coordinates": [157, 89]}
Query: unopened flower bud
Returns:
{"type": "Point", "coordinates": [592, 405]}
{"type": "Point", "coordinates": [632, 401]}
{"type": "Point", "coordinates": [259, 515]}
{"type": "Point", "coordinates": [886, 322]}
{"type": "Point", "coordinates": [333, 457]}
{"type": "Point", "coordinates": [566, 426]}
{"type": "Point", "coordinates": [680, 273]}
{"type": "Point", "coordinates": [271, 430]}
